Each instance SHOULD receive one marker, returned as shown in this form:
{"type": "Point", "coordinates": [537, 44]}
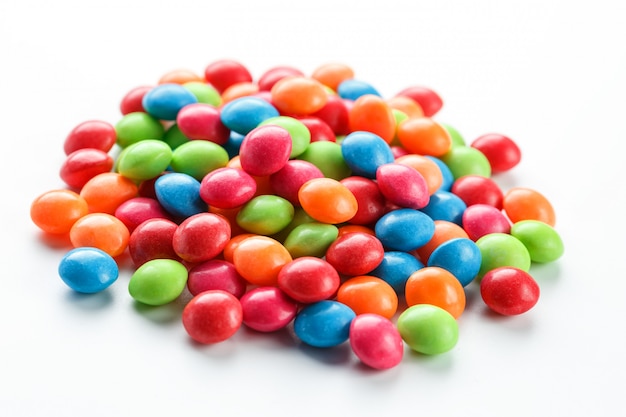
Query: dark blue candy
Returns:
{"type": "Point", "coordinates": [364, 152]}
{"type": "Point", "coordinates": [444, 205]}
{"type": "Point", "coordinates": [165, 101]}
{"type": "Point", "coordinates": [324, 324]}
{"type": "Point", "coordinates": [404, 229]}
{"type": "Point", "coordinates": [396, 268]}
{"type": "Point", "coordinates": [179, 194]}
{"type": "Point", "coordinates": [245, 113]}
{"type": "Point", "coordinates": [459, 256]}
{"type": "Point", "coordinates": [88, 270]}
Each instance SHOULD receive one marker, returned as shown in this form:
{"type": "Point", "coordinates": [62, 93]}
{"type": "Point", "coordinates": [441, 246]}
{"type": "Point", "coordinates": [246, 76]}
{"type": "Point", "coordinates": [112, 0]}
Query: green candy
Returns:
{"type": "Point", "coordinates": [205, 93]}
{"type": "Point", "coordinates": [328, 158]}
{"type": "Point", "coordinates": [428, 329]}
{"type": "Point", "coordinates": [311, 239]}
{"type": "Point", "coordinates": [265, 215]}
{"type": "Point", "coordinates": [544, 244]}
{"type": "Point", "coordinates": [300, 134]}
{"type": "Point", "coordinates": [299, 217]}
{"type": "Point", "coordinates": [465, 160]}
{"type": "Point", "coordinates": [457, 138]}
{"type": "Point", "coordinates": [144, 160]}
{"type": "Point", "coordinates": [501, 249]}
{"type": "Point", "coordinates": [137, 126]}
{"type": "Point", "coordinates": [198, 157]}
{"type": "Point", "coordinates": [174, 137]}
{"type": "Point", "coordinates": [158, 282]}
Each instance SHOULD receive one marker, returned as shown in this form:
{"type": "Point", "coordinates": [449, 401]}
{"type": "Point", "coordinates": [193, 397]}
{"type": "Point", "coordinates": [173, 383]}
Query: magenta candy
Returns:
{"type": "Point", "coordinates": [376, 341]}
{"type": "Point", "coordinates": [309, 279]}
{"type": "Point", "coordinates": [481, 219]}
{"type": "Point", "coordinates": [201, 237]}
{"type": "Point", "coordinates": [227, 188]}
{"type": "Point", "coordinates": [152, 239]}
{"type": "Point", "coordinates": [371, 202]}
{"type": "Point", "coordinates": [94, 134]}
{"type": "Point", "coordinates": [216, 274]}
{"type": "Point", "coordinates": [267, 309]}
{"type": "Point", "coordinates": [402, 185]}
{"type": "Point", "coordinates": [202, 122]}
{"type": "Point", "coordinates": [137, 210]}
{"type": "Point", "coordinates": [265, 150]}
{"type": "Point", "coordinates": [355, 253]}
{"type": "Point", "coordinates": [476, 189]}
{"type": "Point", "coordinates": [287, 181]}
{"type": "Point", "coordinates": [83, 164]}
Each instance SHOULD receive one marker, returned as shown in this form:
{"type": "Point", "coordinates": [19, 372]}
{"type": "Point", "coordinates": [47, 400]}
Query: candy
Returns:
{"type": "Point", "coordinates": [509, 291]}
{"type": "Point", "coordinates": [267, 309]}
{"type": "Point", "coordinates": [311, 239]}
{"type": "Point", "coordinates": [424, 136]}
{"type": "Point", "coordinates": [501, 151]}
{"type": "Point", "coordinates": [368, 294]}
{"type": "Point", "coordinates": [158, 282]}
{"type": "Point", "coordinates": [144, 160]}
{"type": "Point", "coordinates": [403, 186]}
{"type": "Point", "coordinates": [500, 249]}
{"type": "Point", "coordinates": [428, 168]}
{"type": "Point", "coordinates": [265, 215]}
{"type": "Point", "coordinates": [370, 113]}
{"type": "Point", "coordinates": [355, 253]}
{"type": "Point", "coordinates": [298, 95]}
{"type": "Point", "coordinates": [522, 203]}
{"type": "Point", "coordinates": [165, 100]}
{"type": "Point", "coordinates": [259, 260]}
{"type": "Point", "coordinates": [286, 182]}
{"type": "Point", "coordinates": [428, 100]}
{"type": "Point", "coordinates": [243, 89]}
{"type": "Point", "coordinates": [201, 237]}
{"type": "Point", "coordinates": [365, 152]}
{"type": "Point", "coordinates": [152, 239]}
{"type": "Point", "coordinates": [543, 242]}
{"type": "Point", "coordinates": [105, 192]}
{"type": "Point", "coordinates": [270, 77]}
{"type": "Point", "coordinates": [245, 113]}
{"type": "Point", "coordinates": [83, 164]}
{"type": "Point", "coordinates": [335, 114]}
{"type": "Point", "coordinates": [327, 200]}
{"type": "Point", "coordinates": [93, 134]}
{"type": "Point", "coordinates": [371, 203]}
{"type": "Point", "coordinates": [396, 268]}
{"type": "Point", "coordinates": [137, 210]}
{"type": "Point", "coordinates": [212, 316]}
{"type": "Point", "coordinates": [202, 121]}
{"type": "Point", "coordinates": [444, 205]}
{"type": "Point", "coordinates": [102, 231]}
{"type": "Point", "coordinates": [465, 160]}
{"type": "Point", "coordinates": [352, 89]}
{"type": "Point", "coordinates": [132, 100]}
{"type": "Point", "coordinates": [88, 270]}
{"type": "Point", "coordinates": [137, 126]}
{"type": "Point", "coordinates": [318, 129]}
{"type": "Point", "coordinates": [375, 340]}
{"type": "Point", "coordinates": [461, 257]}
{"type": "Point", "coordinates": [179, 194]}
{"type": "Point", "coordinates": [324, 324]}
{"type": "Point", "coordinates": [444, 231]}
{"type": "Point", "coordinates": [216, 274]}
{"type": "Point", "coordinates": [428, 329]}
{"type": "Point", "coordinates": [197, 158]}
{"type": "Point", "coordinates": [332, 74]}
{"type": "Point", "coordinates": [404, 229]}
{"type": "Point", "coordinates": [328, 157]}
{"type": "Point", "coordinates": [481, 219]}
{"type": "Point", "coordinates": [223, 73]}
{"type": "Point", "coordinates": [179, 76]}
{"type": "Point", "coordinates": [476, 189]}
{"type": "Point", "coordinates": [308, 279]}
{"type": "Point", "coordinates": [265, 150]}
{"type": "Point", "coordinates": [298, 132]}
{"type": "Point", "coordinates": [56, 211]}
{"type": "Point", "coordinates": [436, 286]}
{"type": "Point", "coordinates": [227, 188]}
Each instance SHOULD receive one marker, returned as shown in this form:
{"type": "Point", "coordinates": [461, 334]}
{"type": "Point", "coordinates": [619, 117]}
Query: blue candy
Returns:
{"type": "Point", "coordinates": [245, 113]}
{"type": "Point", "coordinates": [448, 178]}
{"type": "Point", "coordinates": [364, 152]}
{"type": "Point", "coordinates": [324, 324]}
{"type": "Point", "coordinates": [352, 89]}
{"type": "Point", "coordinates": [233, 144]}
{"type": "Point", "coordinates": [88, 270]}
{"type": "Point", "coordinates": [460, 256]}
{"type": "Point", "coordinates": [179, 194]}
{"type": "Point", "coordinates": [165, 101]}
{"type": "Point", "coordinates": [444, 205]}
{"type": "Point", "coordinates": [404, 229]}
{"type": "Point", "coordinates": [396, 268]}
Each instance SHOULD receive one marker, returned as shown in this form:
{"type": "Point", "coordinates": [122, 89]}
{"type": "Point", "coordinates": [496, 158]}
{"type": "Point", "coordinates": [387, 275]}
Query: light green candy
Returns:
{"type": "Point", "coordinates": [544, 244]}
{"type": "Point", "coordinates": [158, 282]}
{"type": "Point", "coordinates": [311, 239]}
{"type": "Point", "coordinates": [174, 137]}
{"type": "Point", "coordinates": [205, 93]}
{"type": "Point", "coordinates": [428, 329]}
{"type": "Point", "coordinates": [457, 138]}
{"type": "Point", "coordinates": [300, 134]}
{"type": "Point", "coordinates": [144, 160]}
{"type": "Point", "coordinates": [137, 126]}
{"type": "Point", "coordinates": [265, 215]}
{"type": "Point", "coordinates": [501, 249]}
{"type": "Point", "coordinates": [299, 217]}
{"type": "Point", "coordinates": [198, 157]}
{"type": "Point", "coordinates": [328, 158]}
{"type": "Point", "coordinates": [465, 160]}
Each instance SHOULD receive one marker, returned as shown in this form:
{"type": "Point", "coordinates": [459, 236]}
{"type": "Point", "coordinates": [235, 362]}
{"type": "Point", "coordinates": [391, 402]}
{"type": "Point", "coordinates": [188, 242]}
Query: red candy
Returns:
{"type": "Point", "coordinates": [371, 203]}
{"type": "Point", "coordinates": [265, 150]}
{"type": "Point", "coordinates": [216, 274]}
{"type": "Point", "coordinates": [152, 239]}
{"type": "Point", "coordinates": [509, 291]}
{"type": "Point", "coordinates": [273, 75]}
{"type": "Point", "coordinates": [137, 210]}
{"type": "Point", "coordinates": [336, 115]}
{"type": "Point", "coordinates": [355, 254]}
{"type": "Point", "coordinates": [94, 134]}
{"type": "Point", "coordinates": [202, 121]}
{"type": "Point", "coordinates": [501, 151]}
{"type": "Point", "coordinates": [201, 237]}
{"type": "Point", "coordinates": [133, 100]}
{"type": "Point", "coordinates": [375, 340]}
{"type": "Point", "coordinates": [476, 189]}
{"type": "Point", "coordinates": [83, 164]}
{"type": "Point", "coordinates": [267, 309]}
{"type": "Point", "coordinates": [287, 181]}
{"type": "Point", "coordinates": [481, 219]}
{"type": "Point", "coordinates": [226, 72]}
{"type": "Point", "coordinates": [212, 316]}
{"type": "Point", "coordinates": [227, 188]}
{"type": "Point", "coordinates": [429, 101]}
{"type": "Point", "coordinates": [319, 129]}
{"type": "Point", "coordinates": [308, 279]}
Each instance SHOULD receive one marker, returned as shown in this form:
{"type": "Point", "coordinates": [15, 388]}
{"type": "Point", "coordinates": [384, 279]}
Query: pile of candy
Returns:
{"type": "Point", "coordinates": [304, 201]}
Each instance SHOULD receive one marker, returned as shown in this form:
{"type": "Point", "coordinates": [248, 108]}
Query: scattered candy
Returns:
{"type": "Point", "coordinates": [310, 202]}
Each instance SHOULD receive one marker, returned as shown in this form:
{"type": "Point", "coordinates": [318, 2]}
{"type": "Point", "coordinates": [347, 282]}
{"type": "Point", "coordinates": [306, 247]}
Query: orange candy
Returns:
{"type": "Point", "coordinates": [238, 90]}
{"type": "Point", "coordinates": [368, 294]}
{"type": "Point", "coordinates": [56, 211]}
{"type": "Point", "coordinates": [424, 136]}
{"type": "Point", "coordinates": [355, 228]}
{"type": "Point", "coordinates": [105, 192]}
{"type": "Point", "coordinates": [438, 287]}
{"type": "Point", "coordinates": [102, 231]}
{"type": "Point", "coordinates": [259, 259]}
{"type": "Point", "coordinates": [332, 74]}
{"type": "Point", "coordinates": [521, 203]}
{"type": "Point", "coordinates": [406, 105]}
{"type": "Point", "coordinates": [371, 113]}
{"type": "Point", "coordinates": [444, 231]}
{"type": "Point", "coordinates": [180, 76]}
{"type": "Point", "coordinates": [298, 95]}
{"type": "Point", "coordinates": [327, 200]}
{"type": "Point", "coordinates": [427, 167]}
{"type": "Point", "coordinates": [232, 244]}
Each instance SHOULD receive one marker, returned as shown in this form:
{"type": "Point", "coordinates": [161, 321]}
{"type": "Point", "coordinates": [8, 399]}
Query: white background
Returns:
{"type": "Point", "coordinates": [549, 74]}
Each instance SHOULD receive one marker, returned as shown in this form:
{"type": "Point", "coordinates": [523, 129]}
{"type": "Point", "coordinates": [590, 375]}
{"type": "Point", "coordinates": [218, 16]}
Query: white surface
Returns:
{"type": "Point", "coordinates": [551, 75]}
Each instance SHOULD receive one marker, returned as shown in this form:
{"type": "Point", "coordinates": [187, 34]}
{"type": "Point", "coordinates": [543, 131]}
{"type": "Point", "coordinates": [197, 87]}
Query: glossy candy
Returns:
{"type": "Point", "coordinates": [355, 253]}
{"type": "Point", "coordinates": [352, 89]}
{"type": "Point", "coordinates": [403, 186]}
{"type": "Point", "coordinates": [144, 160]}
{"type": "Point", "coordinates": [212, 316]}
{"type": "Point", "coordinates": [461, 257]}
{"type": "Point", "coordinates": [371, 113]}
{"type": "Point", "coordinates": [335, 114]}
{"type": "Point", "coordinates": [158, 282]}
{"type": "Point", "coordinates": [88, 270]}
{"type": "Point", "coordinates": [318, 129]}
{"type": "Point", "coordinates": [216, 274]}
{"type": "Point", "coordinates": [481, 219]}
{"type": "Point", "coordinates": [298, 95]}
{"type": "Point", "coordinates": [327, 156]}
{"type": "Point", "coordinates": [265, 215]}
{"type": "Point", "coordinates": [543, 242]}
{"type": "Point", "coordinates": [271, 76]}
{"type": "Point", "coordinates": [152, 239]}
{"type": "Point", "coordinates": [396, 268]}
{"type": "Point", "coordinates": [371, 204]}
{"type": "Point", "coordinates": [223, 73]}
{"type": "Point", "coordinates": [202, 121]}
{"type": "Point", "coordinates": [428, 168]}
{"type": "Point", "coordinates": [444, 231]}
{"type": "Point", "coordinates": [198, 158]}
{"type": "Point", "coordinates": [501, 151]}
{"type": "Point", "coordinates": [179, 194]}
{"type": "Point", "coordinates": [368, 294]}
{"type": "Point", "coordinates": [509, 291]}
{"type": "Point", "coordinates": [179, 76]}
{"type": "Point", "coordinates": [83, 164]}
{"type": "Point", "coordinates": [287, 181]}
{"type": "Point", "coordinates": [201, 237]}
{"type": "Point", "coordinates": [105, 192]}
{"type": "Point", "coordinates": [298, 132]}
{"type": "Point", "coordinates": [365, 152]}
{"type": "Point", "coordinates": [135, 211]}
{"type": "Point", "coordinates": [522, 203]}
{"type": "Point", "coordinates": [227, 188]}
{"type": "Point", "coordinates": [132, 100]}
{"type": "Point", "coordinates": [243, 89]}
{"type": "Point", "coordinates": [500, 249]}
{"type": "Point", "coordinates": [265, 150]}
{"type": "Point", "coordinates": [102, 231]}
{"type": "Point", "coordinates": [311, 239]}
{"type": "Point", "coordinates": [205, 93]}
{"type": "Point", "coordinates": [428, 329]}
{"type": "Point", "coordinates": [267, 309]}
{"type": "Point", "coordinates": [476, 189]}
{"type": "Point", "coordinates": [309, 279]}
{"type": "Point", "coordinates": [332, 74]}
{"type": "Point", "coordinates": [137, 126]}
{"type": "Point", "coordinates": [56, 211]}
{"type": "Point", "coordinates": [92, 134]}
{"type": "Point", "coordinates": [327, 200]}
{"type": "Point", "coordinates": [259, 259]}
{"type": "Point", "coordinates": [428, 99]}
{"type": "Point", "coordinates": [465, 160]}
{"type": "Point", "coordinates": [424, 136]}
{"type": "Point", "coordinates": [436, 286]}
{"type": "Point", "coordinates": [375, 340]}
{"type": "Point", "coordinates": [245, 113]}
{"type": "Point", "coordinates": [444, 205]}
{"type": "Point", "coordinates": [324, 324]}
{"type": "Point", "coordinates": [404, 229]}
{"type": "Point", "coordinates": [165, 100]}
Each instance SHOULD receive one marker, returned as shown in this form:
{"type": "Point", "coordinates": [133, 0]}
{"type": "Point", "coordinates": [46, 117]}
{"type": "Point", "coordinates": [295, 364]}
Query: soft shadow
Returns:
{"type": "Point", "coordinates": [547, 275]}
{"type": "Point", "coordinates": [520, 323]}
{"type": "Point", "coordinates": [442, 362]}
{"type": "Point", "coordinates": [336, 355]}
{"type": "Point", "coordinates": [279, 338]}
{"type": "Point", "coordinates": [58, 242]}
{"type": "Point", "coordinates": [170, 313]}
{"type": "Point", "coordinates": [90, 302]}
